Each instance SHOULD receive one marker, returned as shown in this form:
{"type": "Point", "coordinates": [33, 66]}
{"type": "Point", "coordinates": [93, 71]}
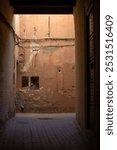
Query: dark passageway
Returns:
{"type": "Point", "coordinates": [26, 133]}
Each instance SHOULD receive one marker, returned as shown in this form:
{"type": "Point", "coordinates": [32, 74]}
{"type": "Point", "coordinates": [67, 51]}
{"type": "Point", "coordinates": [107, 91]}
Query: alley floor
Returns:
{"type": "Point", "coordinates": [42, 132]}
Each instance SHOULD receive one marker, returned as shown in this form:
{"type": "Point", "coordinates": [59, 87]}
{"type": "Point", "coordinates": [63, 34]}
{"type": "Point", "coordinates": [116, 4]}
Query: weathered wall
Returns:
{"type": "Point", "coordinates": [87, 113]}
{"type": "Point", "coordinates": [54, 60]}
{"type": "Point", "coordinates": [6, 62]}
{"type": "Point", "coordinates": [46, 26]}
{"type": "Point", "coordinates": [80, 53]}
{"type": "Point", "coordinates": [97, 66]}
{"type": "Point", "coordinates": [16, 51]}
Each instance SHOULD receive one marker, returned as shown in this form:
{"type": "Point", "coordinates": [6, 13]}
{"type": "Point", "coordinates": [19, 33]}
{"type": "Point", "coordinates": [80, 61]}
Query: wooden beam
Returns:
{"type": "Point", "coordinates": [43, 10]}
{"type": "Point", "coordinates": [42, 2]}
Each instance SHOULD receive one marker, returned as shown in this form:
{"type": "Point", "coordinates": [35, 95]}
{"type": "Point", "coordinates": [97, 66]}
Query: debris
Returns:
{"type": "Point", "coordinates": [44, 101]}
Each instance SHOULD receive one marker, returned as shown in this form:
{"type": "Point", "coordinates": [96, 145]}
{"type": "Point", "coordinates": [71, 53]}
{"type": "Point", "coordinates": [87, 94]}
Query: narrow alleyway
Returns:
{"type": "Point", "coordinates": [42, 132]}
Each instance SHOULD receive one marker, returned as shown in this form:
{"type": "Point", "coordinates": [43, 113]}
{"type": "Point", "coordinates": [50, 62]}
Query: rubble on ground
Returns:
{"type": "Point", "coordinates": [44, 101]}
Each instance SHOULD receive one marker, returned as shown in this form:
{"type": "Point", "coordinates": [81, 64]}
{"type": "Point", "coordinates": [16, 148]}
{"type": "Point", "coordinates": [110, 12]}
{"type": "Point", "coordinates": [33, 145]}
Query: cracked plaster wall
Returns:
{"type": "Point", "coordinates": [53, 59]}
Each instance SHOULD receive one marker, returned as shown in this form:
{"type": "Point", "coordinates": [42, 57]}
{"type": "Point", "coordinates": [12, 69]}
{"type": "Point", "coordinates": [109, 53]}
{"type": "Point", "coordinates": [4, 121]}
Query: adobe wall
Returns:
{"type": "Point", "coordinates": [48, 52]}
{"type": "Point", "coordinates": [80, 53]}
{"type": "Point", "coordinates": [90, 123]}
{"type": "Point", "coordinates": [6, 62]}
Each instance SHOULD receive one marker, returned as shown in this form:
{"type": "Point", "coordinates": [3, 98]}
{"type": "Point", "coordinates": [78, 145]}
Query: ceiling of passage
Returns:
{"type": "Point", "coordinates": [43, 6]}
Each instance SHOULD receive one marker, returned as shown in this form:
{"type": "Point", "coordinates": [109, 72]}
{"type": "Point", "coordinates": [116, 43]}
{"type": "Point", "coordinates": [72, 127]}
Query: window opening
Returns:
{"type": "Point", "coordinates": [34, 82]}
{"type": "Point", "coordinates": [25, 81]}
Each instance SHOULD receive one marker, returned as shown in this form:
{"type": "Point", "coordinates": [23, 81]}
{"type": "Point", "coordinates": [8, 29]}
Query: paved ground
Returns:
{"type": "Point", "coordinates": [42, 132]}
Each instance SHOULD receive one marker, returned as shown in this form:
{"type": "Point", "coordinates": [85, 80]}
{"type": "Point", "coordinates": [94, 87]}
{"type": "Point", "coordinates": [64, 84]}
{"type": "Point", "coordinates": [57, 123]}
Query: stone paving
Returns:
{"type": "Point", "coordinates": [42, 132]}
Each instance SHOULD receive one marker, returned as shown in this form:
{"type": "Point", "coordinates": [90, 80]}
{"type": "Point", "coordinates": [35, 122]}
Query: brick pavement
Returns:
{"type": "Point", "coordinates": [42, 132]}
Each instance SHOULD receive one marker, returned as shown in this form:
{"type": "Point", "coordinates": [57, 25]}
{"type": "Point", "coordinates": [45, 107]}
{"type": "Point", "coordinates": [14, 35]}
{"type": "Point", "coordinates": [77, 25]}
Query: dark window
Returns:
{"type": "Point", "coordinates": [34, 82]}
{"type": "Point", "coordinates": [25, 81]}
